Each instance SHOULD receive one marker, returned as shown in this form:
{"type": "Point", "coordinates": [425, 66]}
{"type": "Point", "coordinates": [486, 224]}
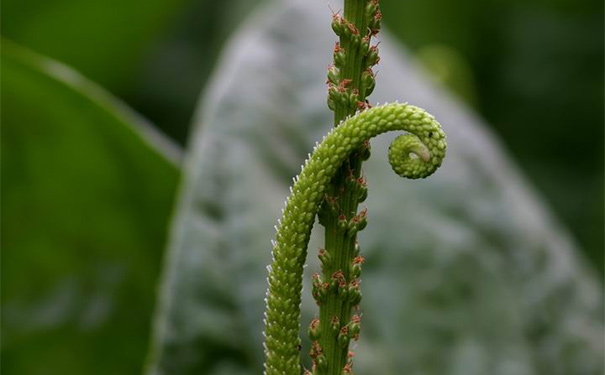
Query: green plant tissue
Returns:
{"type": "Point", "coordinates": [466, 273]}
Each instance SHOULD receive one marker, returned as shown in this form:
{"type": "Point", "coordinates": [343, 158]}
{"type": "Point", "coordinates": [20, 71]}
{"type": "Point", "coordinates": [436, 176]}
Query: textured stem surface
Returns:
{"type": "Point", "coordinates": [351, 80]}
{"type": "Point", "coordinates": [415, 155]}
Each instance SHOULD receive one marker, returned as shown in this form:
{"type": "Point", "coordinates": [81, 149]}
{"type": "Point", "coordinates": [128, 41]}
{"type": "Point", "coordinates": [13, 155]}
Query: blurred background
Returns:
{"type": "Point", "coordinates": [530, 68]}
{"type": "Point", "coordinates": [533, 69]}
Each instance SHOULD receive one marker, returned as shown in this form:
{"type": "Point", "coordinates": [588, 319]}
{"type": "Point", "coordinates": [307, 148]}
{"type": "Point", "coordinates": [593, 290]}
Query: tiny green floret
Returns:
{"type": "Point", "coordinates": [414, 155]}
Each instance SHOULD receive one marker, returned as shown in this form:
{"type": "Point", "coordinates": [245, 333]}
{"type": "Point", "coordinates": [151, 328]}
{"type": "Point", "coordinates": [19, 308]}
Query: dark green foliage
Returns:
{"type": "Point", "coordinates": [85, 205]}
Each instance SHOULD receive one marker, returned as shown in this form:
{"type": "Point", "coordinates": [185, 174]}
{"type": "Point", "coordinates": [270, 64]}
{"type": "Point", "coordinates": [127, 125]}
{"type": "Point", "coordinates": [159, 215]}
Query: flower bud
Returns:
{"type": "Point", "coordinates": [362, 193]}
{"type": "Point", "coordinates": [361, 219]}
{"type": "Point", "coordinates": [352, 229]}
{"type": "Point", "coordinates": [361, 189]}
{"type": "Point", "coordinates": [337, 25]}
{"type": "Point", "coordinates": [343, 337]}
{"type": "Point", "coordinates": [321, 362]}
{"type": "Point", "coordinates": [314, 331]}
{"type": "Point", "coordinates": [372, 57]}
{"type": "Point", "coordinates": [365, 43]}
{"type": "Point", "coordinates": [333, 75]}
{"type": "Point", "coordinates": [368, 81]}
{"type": "Point", "coordinates": [339, 56]}
{"type": "Point", "coordinates": [324, 257]}
{"type": "Point", "coordinates": [356, 266]}
{"type": "Point", "coordinates": [354, 326]}
{"type": "Point", "coordinates": [316, 349]}
{"type": "Point", "coordinates": [354, 293]}
{"type": "Point", "coordinates": [342, 223]}
{"type": "Point", "coordinates": [335, 324]}
{"type": "Point", "coordinates": [371, 8]}
{"type": "Point", "coordinates": [318, 291]}
{"type": "Point", "coordinates": [331, 104]}
{"type": "Point", "coordinates": [353, 98]}
{"type": "Point", "coordinates": [375, 22]}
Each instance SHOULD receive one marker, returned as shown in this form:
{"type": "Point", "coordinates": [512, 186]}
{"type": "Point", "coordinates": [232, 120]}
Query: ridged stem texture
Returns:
{"type": "Point", "coordinates": [350, 81]}
{"type": "Point", "coordinates": [414, 155]}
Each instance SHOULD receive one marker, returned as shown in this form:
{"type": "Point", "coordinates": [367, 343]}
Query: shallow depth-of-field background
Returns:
{"type": "Point", "coordinates": [86, 204]}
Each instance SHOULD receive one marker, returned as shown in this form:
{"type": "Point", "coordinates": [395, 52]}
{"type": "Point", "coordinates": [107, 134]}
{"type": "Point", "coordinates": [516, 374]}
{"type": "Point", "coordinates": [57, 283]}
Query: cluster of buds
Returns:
{"type": "Point", "coordinates": [354, 39]}
{"type": "Point", "coordinates": [319, 359]}
{"type": "Point", "coordinates": [358, 187]}
{"type": "Point", "coordinates": [343, 334]}
{"type": "Point", "coordinates": [350, 80]}
{"type": "Point", "coordinates": [352, 226]}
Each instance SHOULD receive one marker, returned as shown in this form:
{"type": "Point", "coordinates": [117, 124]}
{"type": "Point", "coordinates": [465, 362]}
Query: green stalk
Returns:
{"type": "Point", "coordinates": [348, 93]}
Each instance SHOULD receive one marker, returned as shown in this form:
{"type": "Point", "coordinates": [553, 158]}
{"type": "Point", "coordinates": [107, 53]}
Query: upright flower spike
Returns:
{"type": "Point", "coordinates": [282, 317]}
{"type": "Point", "coordinates": [355, 55]}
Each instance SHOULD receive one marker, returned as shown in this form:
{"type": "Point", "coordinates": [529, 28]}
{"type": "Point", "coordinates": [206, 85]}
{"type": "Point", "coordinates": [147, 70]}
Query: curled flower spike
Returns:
{"type": "Point", "coordinates": [414, 155]}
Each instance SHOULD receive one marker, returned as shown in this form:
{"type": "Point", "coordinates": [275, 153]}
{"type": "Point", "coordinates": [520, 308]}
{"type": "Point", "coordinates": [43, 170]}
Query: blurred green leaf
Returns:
{"type": "Point", "coordinates": [466, 273]}
{"type": "Point", "coordinates": [537, 70]}
{"type": "Point", "coordinates": [87, 189]}
{"type": "Point", "coordinates": [103, 39]}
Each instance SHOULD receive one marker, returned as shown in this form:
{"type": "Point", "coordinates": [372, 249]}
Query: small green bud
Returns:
{"type": "Point", "coordinates": [318, 291]}
{"type": "Point", "coordinates": [353, 98]}
{"type": "Point", "coordinates": [375, 22]}
{"type": "Point", "coordinates": [361, 219]}
{"type": "Point", "coordinates": [343, 337]}
{"type": "Point", "coordinates": [362, 193]}
{"type": "Point", "coordinates": [352, 33]}
{"type": "Point", "coordinates": [314, 331]}
{"type": "Point", "coordinates": [335, 324]}
{"type": "Point", "coordinates": [365, 43]}
{"type": "Point", "coordinates": [339, 56]}
{"type": "Point", "coordinates": [321, 362]}
{"type": "Point", "coordinates": [331, 105]}
{"type": "Point", "coordinates": [334, 93]}
{"type": "Point", "coordinates": [371, 8]}
{"type": "Point", "coordinates": [325, 258]}
{"type": "Point", "coordinates": [352, 229]}
{"type": "Point", "coordinates": [342, 223]}
{"type": "Point", "coordinates": [368, 81]}
{"type": "Point", "coordinates": [333, 75]}
{"type": "Point", "coordinates": [338, 279]}
{"type": "Point", "coordinates": [316, 349]}
{"type": "Point", "coordinates": [354, 293]}
{"type": "Point", "coordinates": [372, 57]}
{"type": "Point", "coordinates": [354, 326]}
{"type": "Point", "coordinates": [356, 266]}
{"type": "Point", "coordinates": [337, 24]}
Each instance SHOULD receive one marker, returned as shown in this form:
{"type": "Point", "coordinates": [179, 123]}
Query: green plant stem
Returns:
{"type": "Point", "coordinates": [338, 243]}
{"type": "Point", "coordinates": [331, 186]}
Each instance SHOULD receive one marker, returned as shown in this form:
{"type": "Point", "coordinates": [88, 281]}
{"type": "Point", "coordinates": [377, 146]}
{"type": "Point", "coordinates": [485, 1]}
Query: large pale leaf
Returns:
{"type": "Point", "coordinates": [466, 273]}
{"type": "Point", "coordinates": [87, 189]}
